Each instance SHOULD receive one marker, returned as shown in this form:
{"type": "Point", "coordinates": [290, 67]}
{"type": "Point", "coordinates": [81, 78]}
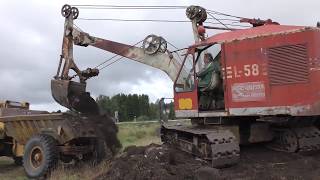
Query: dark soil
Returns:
{"type": "Point", "coordinates": [258, 162]}
{"type": "Point", "coordinates": [107, 130]}
{"type": "Point", "coordinates": [155, 162]}
{"type": "Point", "coordinates": [152, 162]}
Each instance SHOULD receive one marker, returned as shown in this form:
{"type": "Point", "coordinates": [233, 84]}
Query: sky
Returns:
{"type": "Point", "coordinates": [31, 36]}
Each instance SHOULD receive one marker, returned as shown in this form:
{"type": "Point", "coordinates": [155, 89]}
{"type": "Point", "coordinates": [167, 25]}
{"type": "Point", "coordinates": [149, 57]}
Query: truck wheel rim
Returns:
{"type": "Point", "coordinates": [36, 157]}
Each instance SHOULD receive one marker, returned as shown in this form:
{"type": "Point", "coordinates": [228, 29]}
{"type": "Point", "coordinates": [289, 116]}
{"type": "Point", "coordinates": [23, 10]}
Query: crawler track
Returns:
{"type": "Point", "coordinates": [302, 139]}
{"type": "Point", "coordinates": [217, 145]}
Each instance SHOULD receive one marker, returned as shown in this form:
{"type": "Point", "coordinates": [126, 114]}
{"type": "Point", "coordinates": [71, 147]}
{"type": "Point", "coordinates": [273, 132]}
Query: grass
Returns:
{"type": "Point", "coordinates": [8, 170]}
{"type": "Point", "coordinates": [140, 134]}
{"type": "Point", "coordinates": [81, 171]}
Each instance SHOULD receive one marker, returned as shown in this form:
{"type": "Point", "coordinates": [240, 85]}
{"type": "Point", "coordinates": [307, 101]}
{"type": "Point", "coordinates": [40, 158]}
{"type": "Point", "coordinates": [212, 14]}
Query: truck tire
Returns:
{"type": "Point", "coordinates": [40, 156]}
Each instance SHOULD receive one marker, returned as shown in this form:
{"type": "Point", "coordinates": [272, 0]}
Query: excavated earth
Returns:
{"type": "Point", "coordinates": [159, 162]}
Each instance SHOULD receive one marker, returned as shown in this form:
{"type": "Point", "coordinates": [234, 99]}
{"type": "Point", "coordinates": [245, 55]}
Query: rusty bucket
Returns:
{"type": "Point", "coordinates": [62, 90]}
{"type": "Point", "coordinates": [73, 96]}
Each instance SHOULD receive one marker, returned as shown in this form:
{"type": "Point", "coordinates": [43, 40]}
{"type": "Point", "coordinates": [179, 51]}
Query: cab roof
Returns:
{"type": "Point", "coordinates": [254, 32]}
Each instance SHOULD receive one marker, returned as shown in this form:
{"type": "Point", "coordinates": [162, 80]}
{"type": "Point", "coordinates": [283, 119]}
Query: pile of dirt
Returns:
{"type": "Point", "coordinates": [155, 162]}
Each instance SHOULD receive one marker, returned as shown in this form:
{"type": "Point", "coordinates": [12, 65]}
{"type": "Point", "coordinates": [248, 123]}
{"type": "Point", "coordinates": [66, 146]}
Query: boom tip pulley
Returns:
{"type": "Point", "coordinates": [196, 13]}
{"type": "Point", "coordinates": [67, 10]}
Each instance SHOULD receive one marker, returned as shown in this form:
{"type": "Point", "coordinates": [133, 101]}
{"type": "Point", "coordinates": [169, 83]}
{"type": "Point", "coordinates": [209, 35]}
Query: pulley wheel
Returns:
{"type": "Point", "coordinates": [75, 12]}
{"type": "Point", "coordinates": [163, 45]}
{"type": "Point", "coordinates": [190, 12]}
{"type": "Point", "coordinates": [151, 44]}
{"type": "Point", "coordinates": [196, 13]}
{"type": "Point", "coordinates": [201, 15]}
{"type": "Point", "coordinates": [66, 10]}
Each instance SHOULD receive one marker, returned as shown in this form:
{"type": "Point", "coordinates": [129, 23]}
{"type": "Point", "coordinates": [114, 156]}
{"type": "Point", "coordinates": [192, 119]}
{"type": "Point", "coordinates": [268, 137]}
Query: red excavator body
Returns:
{"type": "Point", "coordinates": [266, 70]}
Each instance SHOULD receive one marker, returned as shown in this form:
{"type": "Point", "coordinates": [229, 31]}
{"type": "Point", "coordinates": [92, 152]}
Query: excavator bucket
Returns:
{"type": "Point", "coordinates": [62, 90]}
{"type": "Point", "coordinates": [73, 95]}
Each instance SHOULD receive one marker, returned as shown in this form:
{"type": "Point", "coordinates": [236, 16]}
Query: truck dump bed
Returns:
{"type": "Point", "coordinates": [64, 127]}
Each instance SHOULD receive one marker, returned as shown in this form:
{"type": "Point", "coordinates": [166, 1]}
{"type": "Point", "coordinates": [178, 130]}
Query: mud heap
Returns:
{"type": "Point", "coordinates": [155, 162]}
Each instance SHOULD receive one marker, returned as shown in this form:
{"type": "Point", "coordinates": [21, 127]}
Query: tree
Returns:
{"type": "Point", "coordinates": [129, 106]}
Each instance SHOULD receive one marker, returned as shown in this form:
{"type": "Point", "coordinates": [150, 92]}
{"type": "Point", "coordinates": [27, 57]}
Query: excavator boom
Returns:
{"type": "Point", "coordinates": [159, 58]}
{"type": "Point", "coordinates": [72, 94]}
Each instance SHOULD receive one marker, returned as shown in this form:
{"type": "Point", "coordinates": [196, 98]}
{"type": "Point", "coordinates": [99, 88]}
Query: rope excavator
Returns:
{"type": "Point", "coordinates": [241, 86]}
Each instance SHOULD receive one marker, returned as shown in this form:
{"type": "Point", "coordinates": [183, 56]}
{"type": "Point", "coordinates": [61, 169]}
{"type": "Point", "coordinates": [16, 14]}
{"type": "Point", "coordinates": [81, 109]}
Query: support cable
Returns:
{"type": "Point", "coordinates": [218, 21]}
{"type": "Point", "coordinates": [115, 56]}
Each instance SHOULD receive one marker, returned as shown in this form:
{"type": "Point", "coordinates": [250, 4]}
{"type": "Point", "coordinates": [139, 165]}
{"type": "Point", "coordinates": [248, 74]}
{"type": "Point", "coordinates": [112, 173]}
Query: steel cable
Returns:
{"type": "Point", "coordinates": [115, 57]}
{"type": "Point", "coordinates": [132, 7]}
{"type": "Point", "coordinates": [153, 20]}
{"type": "Point", "coordinates": [133, 20]}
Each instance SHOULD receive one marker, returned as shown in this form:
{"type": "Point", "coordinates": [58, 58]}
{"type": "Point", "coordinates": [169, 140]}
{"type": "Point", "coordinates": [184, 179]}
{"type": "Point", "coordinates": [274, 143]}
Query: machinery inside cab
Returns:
{"type": "Point", "coordinates": [265, 70]}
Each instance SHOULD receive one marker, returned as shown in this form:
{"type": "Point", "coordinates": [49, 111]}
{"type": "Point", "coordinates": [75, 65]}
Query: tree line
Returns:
{"type": "Point", "coordinates": [132, 107]}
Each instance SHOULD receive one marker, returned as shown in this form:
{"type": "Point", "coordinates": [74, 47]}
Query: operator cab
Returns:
{"type": "Point", "coordinates": [209, 76]}
{"type": "Point", "coordinates": [204, 80]}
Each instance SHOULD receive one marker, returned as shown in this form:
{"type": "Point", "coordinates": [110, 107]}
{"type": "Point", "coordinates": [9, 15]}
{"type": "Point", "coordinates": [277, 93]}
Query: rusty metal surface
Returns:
{"type": "Point", "coordinates": [62, 90]}
{"type": "Point", "coordinates": [73, 96]}
{"type": "Point", "coordinates": [63, 127]}
{"type": "Point", "coordinates": [67, 93]}
{"type": "Point", "coordinates": [261, 31]}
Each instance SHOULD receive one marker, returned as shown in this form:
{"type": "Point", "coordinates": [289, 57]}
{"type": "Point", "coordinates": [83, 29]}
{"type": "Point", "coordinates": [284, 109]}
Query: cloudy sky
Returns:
{"type": "Point", "coordinates": [31, 35]}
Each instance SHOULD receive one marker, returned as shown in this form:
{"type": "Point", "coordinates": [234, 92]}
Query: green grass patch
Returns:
{"type": "Point", "coordinates": [139, 134]}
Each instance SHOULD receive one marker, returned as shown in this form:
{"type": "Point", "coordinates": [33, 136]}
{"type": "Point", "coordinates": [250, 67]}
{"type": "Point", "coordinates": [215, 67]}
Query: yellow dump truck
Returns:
{"type": "Point", "coordinates": [39, 139]}
{"type": "Point", "coordinates": [9, 146]}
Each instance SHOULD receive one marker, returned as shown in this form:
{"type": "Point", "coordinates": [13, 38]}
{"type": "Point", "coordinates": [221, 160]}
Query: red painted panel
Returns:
{"type": "Point", "coordinates": [193, 95]}
{"type": "Point", "coordinates": [247, 72]}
